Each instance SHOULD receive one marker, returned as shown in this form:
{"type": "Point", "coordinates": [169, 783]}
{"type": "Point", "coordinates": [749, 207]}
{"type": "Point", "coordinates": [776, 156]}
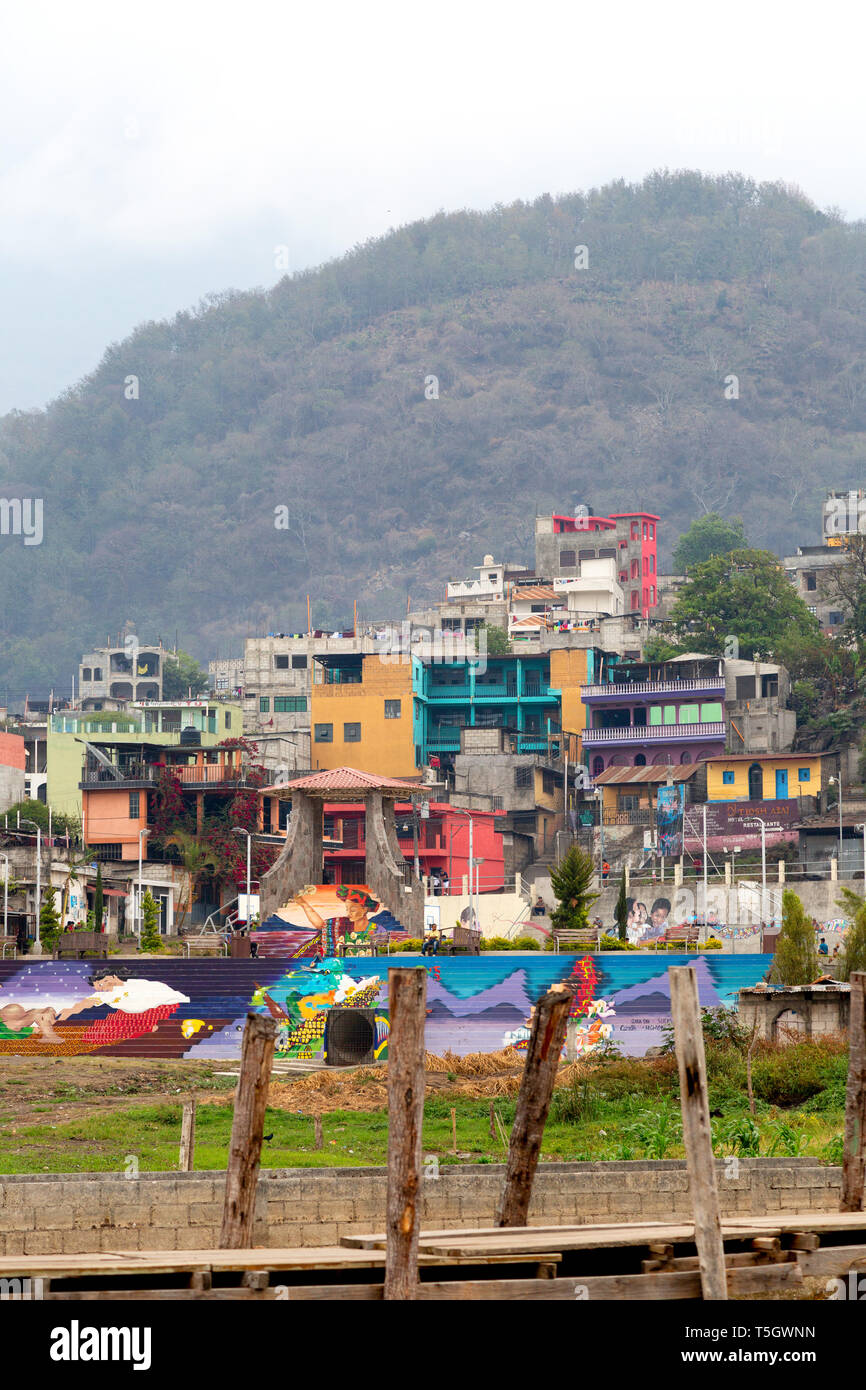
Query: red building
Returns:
{"type": "Point", "coordinates": [443, 841]}
{"type": "Point", "coordinates": [630, 538]}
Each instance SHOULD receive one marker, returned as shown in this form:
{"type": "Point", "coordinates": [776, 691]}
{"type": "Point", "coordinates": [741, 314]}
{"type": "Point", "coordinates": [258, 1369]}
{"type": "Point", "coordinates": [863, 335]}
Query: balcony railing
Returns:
{"type": "Point", "coordinates": [449, 692]}
{"type": "Point", "coordinates": [654, 733]}
{"type": "Point", "coordinates": [643, 815]}
{"type": "Point", "coordinates": [714, 684]}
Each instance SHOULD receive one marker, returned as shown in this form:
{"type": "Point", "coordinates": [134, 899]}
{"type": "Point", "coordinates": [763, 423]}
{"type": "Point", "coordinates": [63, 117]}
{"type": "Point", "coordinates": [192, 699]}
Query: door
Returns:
{"type": "Point", "coordinates": [781, 783]}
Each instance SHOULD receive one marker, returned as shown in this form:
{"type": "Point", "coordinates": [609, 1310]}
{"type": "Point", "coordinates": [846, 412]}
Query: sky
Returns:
{"type": "Point", "coordinates": [154, 154]}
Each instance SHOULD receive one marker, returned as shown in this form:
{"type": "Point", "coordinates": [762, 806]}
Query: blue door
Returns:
{"type": "Point", "coordinates": [781, 783]}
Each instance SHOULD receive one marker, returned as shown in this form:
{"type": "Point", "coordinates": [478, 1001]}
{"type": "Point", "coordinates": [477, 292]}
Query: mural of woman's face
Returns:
{"type": "Point", "coordinates": [356, 912]}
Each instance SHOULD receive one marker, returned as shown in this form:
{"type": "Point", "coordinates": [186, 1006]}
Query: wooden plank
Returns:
{"type": "Point", "coordinates": [697, 1137]}
{"type": "Point", "coordinates": [407, 999]}
{"type": "Point", "coordinates": [186, 1161]}
{"type": "Point", "coordinates": [853, 1160]}
{"type": "Point", "coordinates": [546, 1041]}
{"type": "Point", "coordinates": [834, 1260]}
{"type": "Point", "coordinates": [248, 1125]}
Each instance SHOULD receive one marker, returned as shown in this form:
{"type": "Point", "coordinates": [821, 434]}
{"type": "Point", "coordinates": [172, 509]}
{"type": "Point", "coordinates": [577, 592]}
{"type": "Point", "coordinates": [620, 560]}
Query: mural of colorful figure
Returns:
{"type": "Point", "coordinates": [328, 920]}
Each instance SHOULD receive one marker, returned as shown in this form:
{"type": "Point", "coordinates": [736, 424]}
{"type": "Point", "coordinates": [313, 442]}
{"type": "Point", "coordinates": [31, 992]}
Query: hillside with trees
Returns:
{"type": "Point", "coordinates": [312, 405]}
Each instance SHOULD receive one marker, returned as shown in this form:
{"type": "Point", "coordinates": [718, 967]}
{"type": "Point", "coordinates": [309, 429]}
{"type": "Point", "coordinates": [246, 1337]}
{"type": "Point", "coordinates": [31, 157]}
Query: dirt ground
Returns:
{"type": "Point", "coordinates": [31, 1087]}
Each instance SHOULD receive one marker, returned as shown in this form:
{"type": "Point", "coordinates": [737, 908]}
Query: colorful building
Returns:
{"type": "Point", "coordinates": [76, 737]}
{"type": "Point", "coordinates": [363, 713]}
{"type": "Point", "coordinates": [563, 543]}
{"type": "Point", "coordinates": [642, 715]}
{"type": "Point", "coordinates": [763, 777]}
{"type": "Point", "coordinates": [514, 693]}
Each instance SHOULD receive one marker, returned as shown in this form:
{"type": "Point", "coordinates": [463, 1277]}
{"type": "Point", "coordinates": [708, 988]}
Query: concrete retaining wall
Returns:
{"type": "Point", "coordinates": [85, 1213]}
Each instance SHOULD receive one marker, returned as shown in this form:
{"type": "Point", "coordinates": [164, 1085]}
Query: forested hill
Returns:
{"type": "Point", "coordinates": [604, 384]}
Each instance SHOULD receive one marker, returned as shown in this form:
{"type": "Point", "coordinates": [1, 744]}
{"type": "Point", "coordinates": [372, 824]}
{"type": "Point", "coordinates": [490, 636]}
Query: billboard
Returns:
{"type": "Point", "coordinates": [670, 804]}
{"type": "Point", "coordinates": [732, 823]}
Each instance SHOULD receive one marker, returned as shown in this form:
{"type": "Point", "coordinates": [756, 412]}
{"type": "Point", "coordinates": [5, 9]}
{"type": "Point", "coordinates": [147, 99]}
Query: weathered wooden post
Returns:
{"type": "Point", "coordinates": [546, 1041]}
{"type": "Point", "coordinates": [319, 1138]}
{"type": "Point", "coordinates": [407, 999]}
{"type": "Point", "coordinates": [187, 1137]}
{"type": "Point", "coordinates": [245, 1148]}
{"type": "Point", "coordinates": [697, 1135]}
{"type": "Point", "coordinates": [853, 1161]}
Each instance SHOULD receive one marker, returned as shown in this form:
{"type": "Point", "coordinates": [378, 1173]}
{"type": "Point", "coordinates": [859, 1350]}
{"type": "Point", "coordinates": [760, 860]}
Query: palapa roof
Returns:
{"type": "Point", "coordinates": [345, 783]}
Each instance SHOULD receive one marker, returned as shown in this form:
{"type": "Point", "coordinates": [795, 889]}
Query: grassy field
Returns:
{"type": "Point", "coordinates": [97, 1117]}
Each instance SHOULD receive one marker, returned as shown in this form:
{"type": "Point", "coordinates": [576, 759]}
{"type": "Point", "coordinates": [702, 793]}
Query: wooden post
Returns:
{"type": "Point", "coordinates": [407, 999]}
{"type": "Point", "coordinates": [453, 1130]}
{"type": "Point", "coordinates": [853, 1163]}
{"type": "Point", "coordinates": [317, 1131]}
{"type": "Point", "coordinates": [546, 1041]}
{"type": "Point", "coordinates": [697, 1137]}
{"type": "Point", "coordinates": [245, 1149]}
{"type": "Point", "coordinates": [187, 1137]}
{"type": "Point", "coordinates": [492, 1123]}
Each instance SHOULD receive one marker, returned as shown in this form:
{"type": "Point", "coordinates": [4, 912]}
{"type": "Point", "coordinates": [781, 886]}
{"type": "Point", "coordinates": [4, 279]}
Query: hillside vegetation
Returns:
{"type": "Point", "coordinates": [605, 384]}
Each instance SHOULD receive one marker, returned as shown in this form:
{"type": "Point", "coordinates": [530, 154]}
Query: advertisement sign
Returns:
{"type": "Point", "coordinates": [732, 823]}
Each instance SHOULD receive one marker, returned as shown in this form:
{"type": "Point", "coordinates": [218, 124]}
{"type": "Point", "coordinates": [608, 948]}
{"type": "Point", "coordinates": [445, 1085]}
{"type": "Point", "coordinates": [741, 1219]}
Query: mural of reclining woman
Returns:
{"type": "Point", "coordinates": [137, 1007]}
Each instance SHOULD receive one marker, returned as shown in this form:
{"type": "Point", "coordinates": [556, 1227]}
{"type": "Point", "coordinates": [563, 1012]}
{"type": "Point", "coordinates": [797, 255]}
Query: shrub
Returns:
{"type": "Point", "coordinates": [410, 947]}
{"type": "Point", "coordinates": [495, 943]}
{"type": "Point", "coordinates": [150, 938]}
{"type": "Point", "coordinates": [713, 944]}
{"type": "Point", "coordinates": [525, 943]}
{"type": "Point", "coordinates": [615, 943]}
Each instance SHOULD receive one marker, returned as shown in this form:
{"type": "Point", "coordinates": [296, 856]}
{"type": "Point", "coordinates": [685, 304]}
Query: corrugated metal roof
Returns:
{"type": "Point", "coordinates": [678, 772]}
{"type": "Point", "coordinates": [534, 591]}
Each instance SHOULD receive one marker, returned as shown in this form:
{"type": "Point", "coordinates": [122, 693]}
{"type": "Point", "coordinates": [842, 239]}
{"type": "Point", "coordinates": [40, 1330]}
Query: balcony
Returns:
{"type": "Point", "coordinates": [654, 733]}
{"type": "Point", "coordinates": [711, 685]}
{"type": "Point", "coordinates": [449, 692]}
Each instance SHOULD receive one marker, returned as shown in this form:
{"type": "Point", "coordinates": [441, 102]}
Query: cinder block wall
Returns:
{"type": "Point", "coordinates": [90, 1212]}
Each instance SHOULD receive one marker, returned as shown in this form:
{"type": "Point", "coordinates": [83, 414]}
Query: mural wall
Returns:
{"type": "Point", "coordinates": [197, 1008]}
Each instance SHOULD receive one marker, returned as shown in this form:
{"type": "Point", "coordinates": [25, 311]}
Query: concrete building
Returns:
{"type": "Point", "coordinates": [643, 715]}
{"type": "Point", "coordinates": [630, 539]}
{"type": "Point", "coordinates": [363, 708]}
{"type": "Point", "coordinates": [756, 707]}
{"type": "Point", "coordinates": [109, 677]}
{"type": "Point", "coordinates": [226, 677]}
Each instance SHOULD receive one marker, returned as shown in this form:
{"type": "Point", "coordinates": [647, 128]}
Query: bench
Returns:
{"type": "Point", "coordinates": [584, 936]}
{"type": "Point", "coordinates": [76, 943]}
{"type": "Point", "coordinates": [8, 943]}
{"type": "Point", "coordinates": [678, 938]}
{"type": "Point", "coordinates": [462, 942]}
{"type": "Point", "coordinates": [208, 942]}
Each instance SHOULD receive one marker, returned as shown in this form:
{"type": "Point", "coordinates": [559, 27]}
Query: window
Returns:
{"type": "Point", "coordinates": [728, 779]}
{"type": "Point", "coordinates": [264, 704]}
{"type": "Point", "coordinates": [811, 581]}
{"type": "Point", "coordinates": [228, 719]}
{"type": "Point", "coordinates": [324, 733]}
{"type": "Point", "coordinates": [134, 805]}
{"type": "Point", "coordinates": [655, 714]}
{"type": "Point", "coordinates": [281, 663]}
{"type": "Point", "coordinates": [566, 559]}
{"type": "Point", "coordinates": [652, 534]}
{"type": "Point", "coordinates": [689, 714]}
{"type": "Point", "coordinates": [290, 704]}
{"type": "Point", "coordinates": [522, 778]}
{"type": "Point", "coordinates": [548, 785]}
{"type": "Point", "coordinates": [652, 560]}
{"type": "Point", "coordinates": [351, 733]}
{"type": "Point", "coordinates": [645, 531]}
{"type": "Point", "coordinates": [635, 531]}
{"type": "Point", "coordinates": [652, 593]}
{"type": "Point", "coordinates": [86, 673]}
{"type": "Point", "coordinates": [711, 713]}
{"type": "Point", "coordinates": [393, 709]}
{"type": "Point", "coordinates": [97, 673]}
{"type": "Point", "coordinates": [834, 619]}
{"type": "Point", "coordinates": [769, 686]}
{"type": "Point", "coordinates": [299, 663]}
{"type": "Point", "coordinates": [804, 774]}
{"type": "Point", "coordinates": [634, 598]}
{"type": "Point", "coordinates": [635, 568]}
{"type": "Point", "coordinates": [745, 688]}
{"type": "Point", "coordinates": [646, 564]}
{"type": "Point", "coordinates": [627, 801]}
{"type": "Point", "coordinates": [670, 714]}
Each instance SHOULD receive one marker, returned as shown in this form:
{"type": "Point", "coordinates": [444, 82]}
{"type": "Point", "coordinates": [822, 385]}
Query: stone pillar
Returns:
{"type": "Point", "coordinates": [781, 867]}
{"type": "Point", "coordinates": [834, 869]}
{"type": "Point", "coordinates": [300, 860]}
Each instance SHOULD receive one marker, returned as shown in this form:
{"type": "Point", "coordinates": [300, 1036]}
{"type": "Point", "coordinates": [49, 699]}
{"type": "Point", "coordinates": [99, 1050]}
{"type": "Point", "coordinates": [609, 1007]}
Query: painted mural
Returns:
{"type": "Point", "coordinates": [325, 920]}
{"type": "Point", "coordinates": [197, 1008]}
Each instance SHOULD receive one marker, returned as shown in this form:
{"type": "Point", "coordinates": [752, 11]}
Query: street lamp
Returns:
{"type": "Point", "coordinates": [5, 894]}
{"type": "Point", "coordinates": [141, 834]}
{"type": "Point", "coordinates": [862, 827]}
{"type": "Point", "coordinates": [837, 782]}
{"type": "Point", "coordinates": [37, 945]}
{"type": "Point", "coordinates": [756, 820]}
{"type": "Point", "coordinates": [461, 811]}
{"type": "Point", "coordinates": [599, 791]}
{"type": "Point", "coordinates": [239, 830]}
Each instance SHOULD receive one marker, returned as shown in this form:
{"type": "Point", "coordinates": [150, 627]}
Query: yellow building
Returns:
{"type": "Point", "coordinates": [763, 776]}
{"type": "Point", "coordinates": [362, 715]}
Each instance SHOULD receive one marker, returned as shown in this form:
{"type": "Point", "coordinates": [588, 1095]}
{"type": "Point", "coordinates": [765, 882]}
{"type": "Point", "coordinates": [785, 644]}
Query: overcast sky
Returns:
{"type": "Point", "coordinates": [154, 153]}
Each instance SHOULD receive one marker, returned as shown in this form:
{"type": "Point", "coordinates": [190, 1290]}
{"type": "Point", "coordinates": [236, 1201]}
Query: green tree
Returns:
{"type": "Point", "coordinates": [853, 954]}
{"type": "Point", "coordinates": [496, 639]}
{"type": "Point", "coordinates": [37, 812]}
{"type": "Point", "coordinates": [708, 536]}
{"type": "Point", "coordinates": [620, 912]}
{"type": "Point", "coordinates": [151, 941]}
{"type": "Point", "coordinates": [796, 958]}
{"type": "Point", "coordinates": [49, 921]}
{"type": "Point", "coordinates": [181, 674]}
{"type": "Point", "coordinates": [742, 597]}
{"type": "Point", "coordinates": [571, 880]}
{"type": "Point", "coordinates": [658, 648]}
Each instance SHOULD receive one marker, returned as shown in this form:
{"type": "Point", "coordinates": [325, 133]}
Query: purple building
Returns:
{"type": "Point", "coordinates": [650, 715]}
